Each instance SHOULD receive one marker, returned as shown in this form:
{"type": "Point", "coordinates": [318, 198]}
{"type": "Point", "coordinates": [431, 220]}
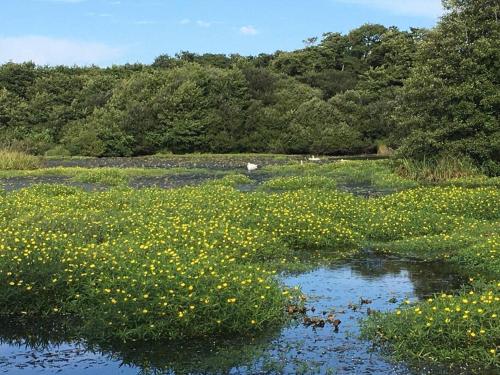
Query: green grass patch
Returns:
{"type": "Point", "coordinates": [348, 172]}
{"type": "Point", "coordinates": [454, 332]}
{"type": "Point", "coordinates": [297, 183]}
{"type": "Point", "coordinates": [109, 175]}
{"type": "Point", "coordinates": [16, 160]}
{"type": "Point", "coordinates": [436, 170]}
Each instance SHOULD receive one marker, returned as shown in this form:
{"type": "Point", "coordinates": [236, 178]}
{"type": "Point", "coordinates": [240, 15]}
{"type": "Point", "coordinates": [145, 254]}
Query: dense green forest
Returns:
{"type": "Point", "coordinates": [426, 93]}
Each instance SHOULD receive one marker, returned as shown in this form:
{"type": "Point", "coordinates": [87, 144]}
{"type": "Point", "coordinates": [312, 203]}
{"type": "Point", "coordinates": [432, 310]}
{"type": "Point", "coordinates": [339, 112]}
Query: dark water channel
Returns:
{"type": "Point", "coordinates": [336, 288]}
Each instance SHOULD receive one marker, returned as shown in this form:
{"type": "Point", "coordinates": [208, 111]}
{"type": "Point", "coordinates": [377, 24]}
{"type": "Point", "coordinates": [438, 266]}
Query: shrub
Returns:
{"type": "Point", "coordinates": [58, 150]}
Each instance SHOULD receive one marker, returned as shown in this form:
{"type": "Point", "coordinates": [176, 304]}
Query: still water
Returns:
{"type": "Point", "coordinates": [338, 289]}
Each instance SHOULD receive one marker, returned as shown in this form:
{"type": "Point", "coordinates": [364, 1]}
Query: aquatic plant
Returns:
{"type": "Point", "coordinates": [202, 261]}
{"type": "Point", "coordinates": [459, 331]}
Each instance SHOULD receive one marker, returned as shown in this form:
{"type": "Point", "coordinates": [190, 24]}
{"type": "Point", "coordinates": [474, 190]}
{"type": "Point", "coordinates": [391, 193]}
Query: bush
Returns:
{"type": "Point", "coordinates": [11, 159]}
{"type": "Point", "coordinates": [58, 150]}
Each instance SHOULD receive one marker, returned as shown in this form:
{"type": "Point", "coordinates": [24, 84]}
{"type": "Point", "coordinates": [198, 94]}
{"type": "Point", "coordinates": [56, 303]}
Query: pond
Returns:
{"type": "Point", "coordinates": [348, 290]}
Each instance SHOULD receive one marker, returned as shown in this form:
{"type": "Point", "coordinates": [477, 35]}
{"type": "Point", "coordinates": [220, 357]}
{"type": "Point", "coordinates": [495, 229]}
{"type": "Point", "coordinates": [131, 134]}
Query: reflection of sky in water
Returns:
{"type": "Point", "coordinates": [336, 290]}
{"type": "Point", "coordinates": [63, 359]}
{"type": "Point", "coordinates": [329, 289]}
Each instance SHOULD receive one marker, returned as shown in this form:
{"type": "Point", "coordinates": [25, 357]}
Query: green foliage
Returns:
{"type": "Point", "coordinates": [436, 170]}
{"type": "Point", "coordinates": [377, 173]}
{"type": "Point", "coordinates": [58, 151]}
{"type": "Point", "coordinates": [12, 159]}
{"type": "Point", "coordinates": [454, 332]}
{"type": "Point", "coordinates": [105, 176]}
{"type": "Point", "coordinates": [297, 183]}
{"type": "Point", "coordinates": [455, 225]}
{"type": "Point", "coordinates": [426, 93]}
{"type": "Point", "coordinates": [234, 179]}
{"type": "Point", "coordinates": [205, 103]}
{"type": "Point", "coordinates": [98, 136]}
{"type": "Point", "coordinates": [449, 104]}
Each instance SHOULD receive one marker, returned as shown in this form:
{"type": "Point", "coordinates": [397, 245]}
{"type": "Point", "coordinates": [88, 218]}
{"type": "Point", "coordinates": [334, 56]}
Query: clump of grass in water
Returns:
{"type": "Point", "coordinates": [349, 172]}
{"type": "Point", "coordinates": [436, 170]}
{"type": "Point", "coordinates": [297, 183]}
{"type": "Point", "coordinates": [17, 160]}
{"type": "Point", "coordinates": [455, 331]}
{"type": "Point", "coordinates": [105, 176]}
{"type": "Point", "coordinates": [232, 180]}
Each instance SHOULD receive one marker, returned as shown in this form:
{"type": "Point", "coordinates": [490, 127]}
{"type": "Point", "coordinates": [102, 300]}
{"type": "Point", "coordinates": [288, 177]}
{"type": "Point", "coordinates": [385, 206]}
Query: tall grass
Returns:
{"type": "Point", "coordinates": [436, 170]}
{"type": "Point", "coordinates": [17, 160]}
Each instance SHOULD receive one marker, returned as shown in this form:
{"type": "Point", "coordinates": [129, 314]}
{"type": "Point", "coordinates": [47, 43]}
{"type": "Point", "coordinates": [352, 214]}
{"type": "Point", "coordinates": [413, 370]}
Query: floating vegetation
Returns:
{"type": "Point", "coordinates": [200, 262]}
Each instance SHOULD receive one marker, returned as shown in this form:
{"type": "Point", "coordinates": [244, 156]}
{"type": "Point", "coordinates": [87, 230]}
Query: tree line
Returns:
{"type": "Point", "coordinates": [423, 92]}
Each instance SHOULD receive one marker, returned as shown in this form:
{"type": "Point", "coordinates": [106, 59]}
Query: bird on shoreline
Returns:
{"type": "Point", "coordinates": [252, 167]}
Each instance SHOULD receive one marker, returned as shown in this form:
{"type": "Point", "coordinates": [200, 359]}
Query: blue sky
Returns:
{"type": "Point", "coordinates": [105, 32]}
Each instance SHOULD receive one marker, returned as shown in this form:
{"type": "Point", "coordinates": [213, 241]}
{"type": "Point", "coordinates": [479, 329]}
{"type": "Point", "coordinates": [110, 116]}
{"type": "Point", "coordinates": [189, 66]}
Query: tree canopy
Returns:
{"type": "Point", "coordinates": [424, 92]}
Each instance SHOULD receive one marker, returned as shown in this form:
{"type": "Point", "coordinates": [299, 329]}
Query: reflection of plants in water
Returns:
{"type": "Point", "coordinates": [426, 277]}
{"type": "Point", "coordinates": [214, 356]}
{"type": "Point", "coordinates": [37, 334]}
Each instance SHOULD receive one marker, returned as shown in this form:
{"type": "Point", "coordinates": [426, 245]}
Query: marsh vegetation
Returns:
{"type": "Point", "coordinates": [207, 261]}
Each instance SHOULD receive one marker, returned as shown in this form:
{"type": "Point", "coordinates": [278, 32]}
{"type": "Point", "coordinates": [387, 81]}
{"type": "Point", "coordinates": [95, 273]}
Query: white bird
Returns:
{"type": "Point", "coordinates": [252, 167]}
{"type": "Point", "coordinates": [314, 158]}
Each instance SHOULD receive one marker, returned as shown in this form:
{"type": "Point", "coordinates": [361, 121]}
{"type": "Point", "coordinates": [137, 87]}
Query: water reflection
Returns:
{"type": "Point", "coordinates": [333, 289]}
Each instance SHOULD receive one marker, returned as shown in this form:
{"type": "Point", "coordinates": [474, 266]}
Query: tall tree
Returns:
{"type": "Point", "coordinates": [451, 102]}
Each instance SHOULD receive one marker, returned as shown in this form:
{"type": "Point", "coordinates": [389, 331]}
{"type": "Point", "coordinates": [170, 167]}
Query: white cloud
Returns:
{"type": "Point", "coordinates": [426, 8]}
{"type": "Point", "coordinates": [249, 30]}
{"type": "Point", "coordinates": [185, 21]}
{"type": "Point", "coordinates": [203, 23]}
{"type": "Point", "coordinates": [55, 51]}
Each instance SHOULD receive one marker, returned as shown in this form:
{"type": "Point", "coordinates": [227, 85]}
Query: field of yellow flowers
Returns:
{"type": "Point", "coordinates": [202, 261]}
